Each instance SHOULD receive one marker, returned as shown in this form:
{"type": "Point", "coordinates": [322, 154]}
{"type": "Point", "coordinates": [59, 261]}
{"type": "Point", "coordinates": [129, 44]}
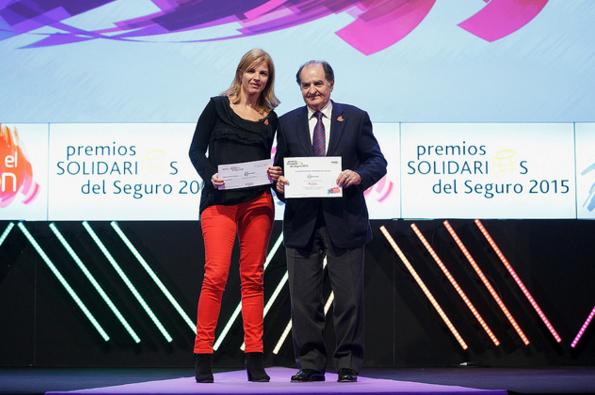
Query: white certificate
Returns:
{"type": "Point", "coordinates": [312, 176]}
{"type": "Point", "coordinates": [245, 174]}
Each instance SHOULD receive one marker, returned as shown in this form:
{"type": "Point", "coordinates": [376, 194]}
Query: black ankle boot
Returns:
{"type": "Point", "coordinates": [202, 368]}
{"type": "Point", "coordinates": [255, 367]}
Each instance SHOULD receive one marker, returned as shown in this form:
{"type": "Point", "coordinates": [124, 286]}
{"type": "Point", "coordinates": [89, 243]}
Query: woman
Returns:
{"type": "Point", "coordinates": [238, 126]}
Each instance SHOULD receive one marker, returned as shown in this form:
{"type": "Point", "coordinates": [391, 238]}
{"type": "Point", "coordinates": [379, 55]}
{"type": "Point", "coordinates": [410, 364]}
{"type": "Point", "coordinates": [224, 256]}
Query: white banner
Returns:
{"type": "Point", "coordinates": [125, 171]}
{"type": "Point", "coordinates": [488, 170]}
{"type": "Point", "coordinates": [122, 172]}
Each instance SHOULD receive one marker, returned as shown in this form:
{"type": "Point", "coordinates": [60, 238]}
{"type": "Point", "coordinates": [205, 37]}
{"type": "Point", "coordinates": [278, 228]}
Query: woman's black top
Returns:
{"type": "Point", "coordinates": [229, 139]}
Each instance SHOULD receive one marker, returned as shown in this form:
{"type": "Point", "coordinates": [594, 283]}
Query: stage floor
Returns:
{"type": "Point", "coordinates": [575, 380]}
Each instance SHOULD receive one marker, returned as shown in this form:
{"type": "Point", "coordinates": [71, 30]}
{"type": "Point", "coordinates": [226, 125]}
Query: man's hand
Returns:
{"type": "Point", "coordinates": [348, 178]}
{"type": "Point", "coordinates": [216, 181]}
{"type": "Point", "coordinates": [281, 182]}
{"type": "Point", "coordinates": [274, 172]}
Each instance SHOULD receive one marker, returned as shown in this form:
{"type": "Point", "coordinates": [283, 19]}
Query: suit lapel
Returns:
{"type": "Point", "coordinates": [303, 131]}
{"type": "Point", "coordinates": [337, 124]}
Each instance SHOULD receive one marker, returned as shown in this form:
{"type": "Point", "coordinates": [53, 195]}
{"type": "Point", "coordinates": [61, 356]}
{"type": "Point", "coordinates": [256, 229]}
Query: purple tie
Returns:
{"type": "Point", "coordinates": [318, 137]}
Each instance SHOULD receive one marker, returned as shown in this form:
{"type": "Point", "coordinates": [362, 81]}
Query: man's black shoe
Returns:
{"type": "Point", "coordinates": [307, 375]}
{"type": "Point", "coordinates": [346, 375]}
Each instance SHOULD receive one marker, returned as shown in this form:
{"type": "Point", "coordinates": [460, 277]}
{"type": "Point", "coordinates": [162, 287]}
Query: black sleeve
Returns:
{"type": "Point", "coordinates": [274, 121]}
{"type": "Point", "coordinates": [200, 142]}
{"type": "Point", "coordinates": [280, 154]}
{"type": "Point", "coordinates": [372, 163]}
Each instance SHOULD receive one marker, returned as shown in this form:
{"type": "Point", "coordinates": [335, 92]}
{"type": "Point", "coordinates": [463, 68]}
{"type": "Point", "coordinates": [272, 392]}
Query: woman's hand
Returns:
{"type": "Point", "coordinates": [274, 172]}
{"type": "Point", "coordinates": [216, 181]}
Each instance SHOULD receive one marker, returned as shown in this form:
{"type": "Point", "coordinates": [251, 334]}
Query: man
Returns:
{"type": "Point", "coordinates": [337, 228]}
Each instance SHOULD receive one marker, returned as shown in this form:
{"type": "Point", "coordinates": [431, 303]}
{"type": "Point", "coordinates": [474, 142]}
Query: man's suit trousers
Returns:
{"type": "Point", "coordinates": [306, 275]}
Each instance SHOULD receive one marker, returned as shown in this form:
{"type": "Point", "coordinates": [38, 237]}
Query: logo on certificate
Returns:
{"type": "Point", "coordinates": [334, 190]}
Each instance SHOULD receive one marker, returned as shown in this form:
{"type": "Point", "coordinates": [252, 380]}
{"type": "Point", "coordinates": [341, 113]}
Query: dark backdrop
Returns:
{"type": "Point", "coordinates": [42, 326]}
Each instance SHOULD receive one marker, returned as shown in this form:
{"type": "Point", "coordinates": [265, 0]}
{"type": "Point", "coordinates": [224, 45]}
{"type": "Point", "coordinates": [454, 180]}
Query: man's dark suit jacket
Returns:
{"type": "Point", "coordinates": [352, 139]}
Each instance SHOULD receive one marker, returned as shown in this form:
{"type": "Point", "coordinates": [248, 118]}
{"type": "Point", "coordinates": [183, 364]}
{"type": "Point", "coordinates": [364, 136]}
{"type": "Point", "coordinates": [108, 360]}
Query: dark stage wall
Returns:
{"type": "Point", "coordinates": [42, 326]}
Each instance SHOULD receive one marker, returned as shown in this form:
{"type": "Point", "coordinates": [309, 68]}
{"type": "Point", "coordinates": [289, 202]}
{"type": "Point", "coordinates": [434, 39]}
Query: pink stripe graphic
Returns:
{"type": "Point", "coordinates": [499, 18]}
{"type": "Point", "coordinates": [263, 9]}
{"type": "Point", "coordinates": [370, 33]}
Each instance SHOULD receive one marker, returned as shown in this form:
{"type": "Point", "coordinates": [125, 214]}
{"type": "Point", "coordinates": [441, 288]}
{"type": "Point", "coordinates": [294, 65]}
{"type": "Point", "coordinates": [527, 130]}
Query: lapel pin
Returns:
{"type": "Point", "coordinates": [340, 118]}
{"type": "Point", "coordinates": [266, 122]}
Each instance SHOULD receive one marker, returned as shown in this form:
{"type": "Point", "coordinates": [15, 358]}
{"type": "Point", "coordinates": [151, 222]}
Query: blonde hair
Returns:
{"type": "Point", "coordinates": [267, 100]}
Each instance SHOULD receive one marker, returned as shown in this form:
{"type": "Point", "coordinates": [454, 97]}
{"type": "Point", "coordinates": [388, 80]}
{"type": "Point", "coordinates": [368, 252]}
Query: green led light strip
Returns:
{"type": "Point", "coordinates": [127, 281]}
{"type": "Point", "coordinates": [94, 282]}
{"type": "Point", "coordinates": [154, 277]}
{"type": "Point", "coordinates": [6, 232]}
{"type": "Point", "coordinates": [236, 312]}
{"type": "Point", "coordinates": [63, 281]}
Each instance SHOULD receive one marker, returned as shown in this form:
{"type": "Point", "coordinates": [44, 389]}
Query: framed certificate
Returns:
{"type": "Point", "coordinates": [312, 177]}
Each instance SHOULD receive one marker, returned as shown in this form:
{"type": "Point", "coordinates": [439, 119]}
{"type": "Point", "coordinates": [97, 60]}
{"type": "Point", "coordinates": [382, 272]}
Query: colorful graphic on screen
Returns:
{"type": "Point", "coordinates": [16, 172]}
{"type": "Point", "coordinates": [589, 203]}
{"type": "Point", "coordinates": [377, 24]}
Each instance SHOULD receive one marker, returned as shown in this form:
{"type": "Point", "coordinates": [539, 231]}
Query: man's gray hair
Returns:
{"type": "Point", "coordinates": [329, 74]}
